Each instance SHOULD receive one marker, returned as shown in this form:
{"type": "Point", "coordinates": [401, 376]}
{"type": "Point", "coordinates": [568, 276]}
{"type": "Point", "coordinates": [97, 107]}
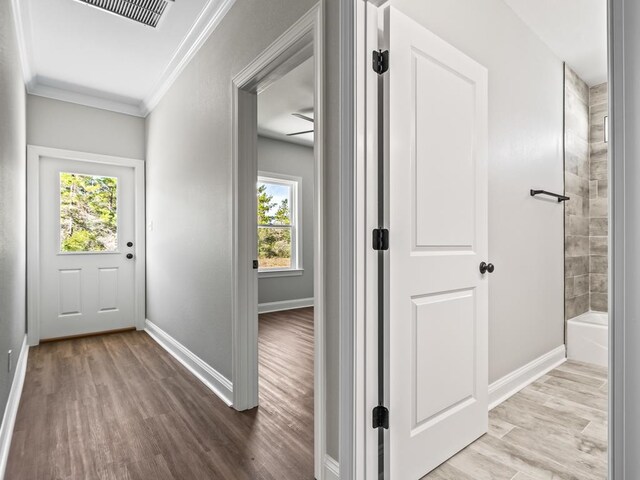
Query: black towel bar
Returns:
{"type": "Point", "coordinates": [561, 198]}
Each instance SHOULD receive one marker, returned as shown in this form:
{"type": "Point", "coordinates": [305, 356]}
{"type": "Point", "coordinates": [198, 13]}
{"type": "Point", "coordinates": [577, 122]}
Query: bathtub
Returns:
{"type": "Point", "coordinates": [588, 338]}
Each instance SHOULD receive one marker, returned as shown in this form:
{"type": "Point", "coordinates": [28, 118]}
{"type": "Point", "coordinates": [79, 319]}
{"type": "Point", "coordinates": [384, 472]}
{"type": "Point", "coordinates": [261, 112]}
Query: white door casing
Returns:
{"type": "Point", "coordinates": [77, 293]}
{"type": "Point", "coordinates": [436, 104]}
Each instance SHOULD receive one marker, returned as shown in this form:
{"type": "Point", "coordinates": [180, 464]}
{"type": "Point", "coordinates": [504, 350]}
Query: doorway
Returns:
{"type": "Point", "coordinates": [85, 244]}
{"type": "Point", "coordinates": [528, 381]}
{"type": "Point", "coordinates": [286, 257]}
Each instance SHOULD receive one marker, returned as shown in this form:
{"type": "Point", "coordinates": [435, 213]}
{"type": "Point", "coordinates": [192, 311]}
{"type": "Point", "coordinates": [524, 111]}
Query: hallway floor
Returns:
{"type": "Point", "coordinates": [120, 407]}
{"type": "Point", "coordinates": [556, 428]}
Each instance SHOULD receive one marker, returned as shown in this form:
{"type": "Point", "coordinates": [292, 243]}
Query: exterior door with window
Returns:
{"type": "Point", "coordinates": [86, 246]}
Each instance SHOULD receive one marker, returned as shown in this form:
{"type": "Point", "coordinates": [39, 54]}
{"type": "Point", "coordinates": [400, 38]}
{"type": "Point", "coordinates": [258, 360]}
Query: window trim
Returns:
{"type": "Point", "coordinates": [295, 183]}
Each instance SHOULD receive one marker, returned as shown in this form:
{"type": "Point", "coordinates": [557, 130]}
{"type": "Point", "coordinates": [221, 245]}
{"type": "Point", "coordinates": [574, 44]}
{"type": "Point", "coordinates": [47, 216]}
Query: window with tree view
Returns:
{"type": "Point", "coordinates": [88, 213]}
{"type": "Point", "coordinates": [277, 223]}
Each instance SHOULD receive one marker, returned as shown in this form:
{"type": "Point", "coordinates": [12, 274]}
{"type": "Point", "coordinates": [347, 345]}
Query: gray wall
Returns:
{"type": "Point", "coordinates": [599, 203]}
{"type": "Point", "coordinates": [525, 151]}
{"type": "Point", "coordinates": [189, 172]}
{"type": "Point", "coordinates": [576, 210]}
{"type": "Point", "coordinates": [275, 156]}
{"type": "Point", "coordinates": [57, 124]}
{"type": "Point", "coordinates": [12, 201]}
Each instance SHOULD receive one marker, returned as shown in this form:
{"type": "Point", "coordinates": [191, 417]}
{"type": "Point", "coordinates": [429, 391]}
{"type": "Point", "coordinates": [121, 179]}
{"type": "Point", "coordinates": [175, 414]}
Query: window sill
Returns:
{"type": "Point", "coordinates": [293, 272]}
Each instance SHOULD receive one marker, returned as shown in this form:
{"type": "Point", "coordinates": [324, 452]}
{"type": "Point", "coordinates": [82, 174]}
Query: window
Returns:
{"type": "Point", "coordinates": [278, 235]}
{"type": "Point", "coordinates": [88, 213]}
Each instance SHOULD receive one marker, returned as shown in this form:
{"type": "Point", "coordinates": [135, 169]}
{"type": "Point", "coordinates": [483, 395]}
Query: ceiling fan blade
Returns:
{"type": "Point", "coordinates": [300, 133]}
{"type": "Point", "coordinates": [303, 117]}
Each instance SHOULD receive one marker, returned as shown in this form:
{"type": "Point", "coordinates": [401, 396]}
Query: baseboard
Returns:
{"type": "Point", "coordinates": [331, 468]}
{"type": "Point", "coordinates": [11, 410]}
{"type": "Point", "coordinates": [285, 305]}
{"type": "Point", "coordinates": [515, 381]}
{"type": "Point", "coordinates": [212, 379]}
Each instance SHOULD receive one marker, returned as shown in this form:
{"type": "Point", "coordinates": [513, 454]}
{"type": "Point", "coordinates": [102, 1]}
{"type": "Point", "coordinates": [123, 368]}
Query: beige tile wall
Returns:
{"type": "Point", "coordinates": [598, 199]}
{"type": "Point", "coordinates": [577, 177]}
{"type": "Point", "coordinates": [586, 182]}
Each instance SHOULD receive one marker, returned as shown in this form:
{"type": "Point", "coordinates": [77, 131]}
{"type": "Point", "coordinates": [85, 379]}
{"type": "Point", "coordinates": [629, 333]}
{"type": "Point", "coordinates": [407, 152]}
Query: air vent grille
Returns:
{"type": "Point", "coordinates": [147, 12]}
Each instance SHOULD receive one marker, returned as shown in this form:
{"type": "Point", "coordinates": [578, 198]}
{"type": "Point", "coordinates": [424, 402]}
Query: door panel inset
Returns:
{"type": "Point", "coordinates": [70, 293]}
{"type": "Point", "coordinates": [108, 289]}
{"type": "Point", "coordinates": [443, 335]}
{"type": "Point", "coordinates": [444, 130]}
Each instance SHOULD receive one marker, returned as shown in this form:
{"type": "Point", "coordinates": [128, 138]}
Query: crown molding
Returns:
{"type": "Point", "coordinates": [209, 18]}
{"type": "Point", "coordinates": [88, 100]}
{"type": "Point", "coordinates": [22, 22]}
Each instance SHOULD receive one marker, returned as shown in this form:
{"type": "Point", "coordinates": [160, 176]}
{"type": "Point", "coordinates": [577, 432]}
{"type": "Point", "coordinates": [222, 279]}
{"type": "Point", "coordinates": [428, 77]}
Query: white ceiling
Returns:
{"type": "Point", "coordinates": [75, 52]}
{"type": "Point", "coordinates": [575, 30]}
{"type": "Point", "coordinates": [292, 93]}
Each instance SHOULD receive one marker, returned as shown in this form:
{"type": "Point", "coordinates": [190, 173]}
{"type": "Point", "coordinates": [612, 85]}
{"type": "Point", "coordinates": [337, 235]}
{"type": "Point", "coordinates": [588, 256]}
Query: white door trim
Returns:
{"type": "Point", "coordinates": [303, 40]}
{"type": "Point", "coordinates": [34, 155]}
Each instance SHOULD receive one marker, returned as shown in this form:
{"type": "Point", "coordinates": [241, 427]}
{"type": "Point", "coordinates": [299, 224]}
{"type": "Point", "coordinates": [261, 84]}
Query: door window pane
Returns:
{"type": "Point", "coordinates": [88, 213]}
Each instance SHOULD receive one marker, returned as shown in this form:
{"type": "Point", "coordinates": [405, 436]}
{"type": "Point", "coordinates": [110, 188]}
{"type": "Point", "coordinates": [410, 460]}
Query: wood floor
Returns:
{"type": "Point", "coordinates": [120, 407]}
{"type": "Point", "coordinates": [556, 428]}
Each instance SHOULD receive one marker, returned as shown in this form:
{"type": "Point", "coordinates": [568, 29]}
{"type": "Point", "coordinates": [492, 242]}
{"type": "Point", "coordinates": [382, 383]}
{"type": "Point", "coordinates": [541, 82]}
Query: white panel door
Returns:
{"type": "Point", "coordinates": [87, 226]}
{"type": "Point", "coordinates": [438, 300]}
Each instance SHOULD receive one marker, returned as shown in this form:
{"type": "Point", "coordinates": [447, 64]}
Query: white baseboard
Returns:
{"type": "Point", "coordinates": [515, 381]}
{"type": "Point", "coordinates": [285, 305]}
{"type": "Point", "coordinates": [213, 380]}
{"type": "Point", "coordinates": [331, 468]}
{"type": "Point", "coordinates": [11, 410]}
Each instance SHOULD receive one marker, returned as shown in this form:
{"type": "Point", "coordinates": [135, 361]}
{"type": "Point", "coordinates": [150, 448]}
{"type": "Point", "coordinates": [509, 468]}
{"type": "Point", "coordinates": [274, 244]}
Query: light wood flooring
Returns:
{"type": "Point", "coordinates": [556, 428]}
{"type": "Point", "coordinates": [120, 407]}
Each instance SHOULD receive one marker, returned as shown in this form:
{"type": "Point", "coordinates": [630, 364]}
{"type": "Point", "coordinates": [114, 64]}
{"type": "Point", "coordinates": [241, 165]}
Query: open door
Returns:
{"type": "Point", "coordinates": [436, 154]}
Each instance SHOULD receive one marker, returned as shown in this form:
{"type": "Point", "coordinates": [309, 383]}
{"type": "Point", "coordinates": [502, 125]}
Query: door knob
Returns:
{"type": "Point", "coordinates": [129, 256]}
{"type": "Point", "coordinates": [129, 244]}
{"type": "Point", "coordinates": [486, 267]}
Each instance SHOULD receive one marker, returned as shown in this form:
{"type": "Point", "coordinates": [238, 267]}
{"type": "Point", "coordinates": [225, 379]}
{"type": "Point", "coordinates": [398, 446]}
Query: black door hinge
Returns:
{"type": "Point", "coordinates": [381, 239]}
{"type": "Point", "coordinates": [380, 61]}
{"type": "Point", "coordinates": [381, 417]}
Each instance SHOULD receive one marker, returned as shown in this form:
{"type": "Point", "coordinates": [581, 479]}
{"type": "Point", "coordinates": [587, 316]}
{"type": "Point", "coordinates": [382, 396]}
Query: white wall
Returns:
{"type": "Point", "coordinates": [58, 124]}
{"type": "Point", "coordinates": [275, 156]}
{"type": "Point", "coordinates": [12, 201]}
{"type": "Point", "coordinates": [525, 151]}
{"type": "Point", "coordinates": [189, 287]}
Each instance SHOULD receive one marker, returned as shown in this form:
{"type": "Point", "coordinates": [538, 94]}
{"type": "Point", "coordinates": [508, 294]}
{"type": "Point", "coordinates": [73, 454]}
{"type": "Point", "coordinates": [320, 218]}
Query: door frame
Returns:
{"type": "Point", "coordinates": [301, 41]}
{"type": "Point", "coordinates": [34, 156]}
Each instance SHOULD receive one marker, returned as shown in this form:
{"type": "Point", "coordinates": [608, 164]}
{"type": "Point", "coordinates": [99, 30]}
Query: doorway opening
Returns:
{"type": "Point", "coordinates": [542, 356]}
{"type": "Point", "coordinates": [278, 349]}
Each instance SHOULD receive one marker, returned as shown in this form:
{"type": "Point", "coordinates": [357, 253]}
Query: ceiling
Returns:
{"type": "Point", "coordinates": [78, 53]}
{"type": "Point", "coordinates": [575, 30]}
{"type": "Point", "coordinates": [292, 93]}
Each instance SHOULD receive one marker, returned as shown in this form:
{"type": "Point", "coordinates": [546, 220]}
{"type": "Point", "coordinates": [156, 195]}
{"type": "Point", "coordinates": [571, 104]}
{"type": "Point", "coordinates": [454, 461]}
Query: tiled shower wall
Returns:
{"type": "Point", "coordinates": [586, 182]}
{"type": "Point", "coordinates": [598, 203]}
{"type": "Point", "coordinates": [577, 176]}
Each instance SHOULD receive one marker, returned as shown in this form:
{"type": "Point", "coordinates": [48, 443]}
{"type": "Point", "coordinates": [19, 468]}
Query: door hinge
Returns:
{"type": "Point", "coordinates": [255, 264]}
{"type": "Point", "coordinates": [380, 61]}
{"type": "Point", "coordinates": [381, 239]}
{"type": "Point", "coordinates": [381, 417]}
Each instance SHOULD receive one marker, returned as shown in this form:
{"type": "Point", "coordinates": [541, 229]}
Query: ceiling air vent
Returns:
{"type": "Point", "coordinates": [147, 12]}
